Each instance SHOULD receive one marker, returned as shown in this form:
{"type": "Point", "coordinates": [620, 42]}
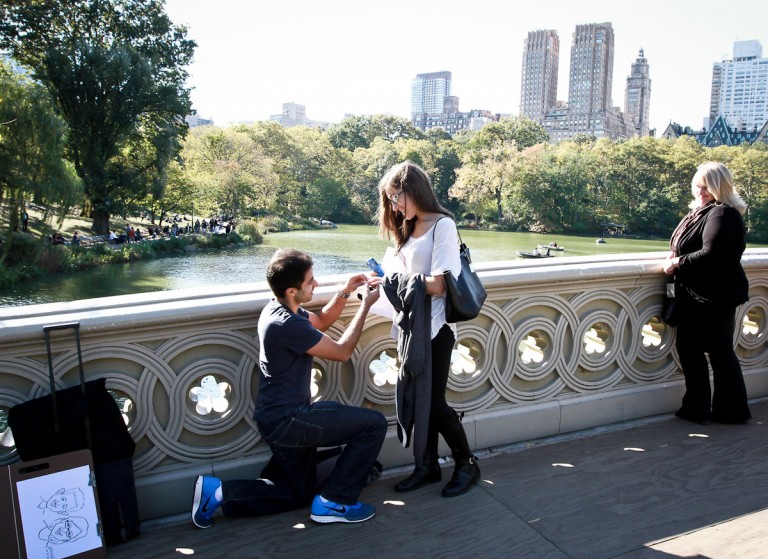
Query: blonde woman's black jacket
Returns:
{"type": "Point", "coordinates": [710, 257]}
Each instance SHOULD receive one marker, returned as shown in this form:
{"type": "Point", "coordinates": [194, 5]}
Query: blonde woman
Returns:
{"type": "Point", "coordinates": [705, 258]}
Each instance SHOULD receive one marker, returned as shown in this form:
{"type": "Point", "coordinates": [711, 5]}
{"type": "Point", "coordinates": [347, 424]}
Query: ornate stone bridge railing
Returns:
{"type": "Point", "coordinates": [562, 344]}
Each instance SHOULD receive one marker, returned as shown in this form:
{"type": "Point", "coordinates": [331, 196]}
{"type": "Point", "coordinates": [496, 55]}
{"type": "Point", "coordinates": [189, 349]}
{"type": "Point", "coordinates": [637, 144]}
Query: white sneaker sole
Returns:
{"type": "Point", "coordinates": [331, 519]}
{"type": "Point", "coordinates": [196, 500]}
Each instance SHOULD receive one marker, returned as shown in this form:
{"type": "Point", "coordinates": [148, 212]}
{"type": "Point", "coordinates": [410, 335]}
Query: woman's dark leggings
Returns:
{"type": "Point", "coordinates": [443, 419]}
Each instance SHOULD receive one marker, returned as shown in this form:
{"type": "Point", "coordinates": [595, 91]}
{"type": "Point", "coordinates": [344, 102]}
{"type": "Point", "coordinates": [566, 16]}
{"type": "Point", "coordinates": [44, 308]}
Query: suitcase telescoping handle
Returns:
{"type": "Point", "coordinates": [46, 333]}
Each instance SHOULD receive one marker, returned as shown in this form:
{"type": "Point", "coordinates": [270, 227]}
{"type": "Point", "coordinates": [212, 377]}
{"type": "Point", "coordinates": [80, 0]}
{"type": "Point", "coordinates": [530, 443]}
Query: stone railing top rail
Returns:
{"type": "Point", "coordinates": [146, 309]}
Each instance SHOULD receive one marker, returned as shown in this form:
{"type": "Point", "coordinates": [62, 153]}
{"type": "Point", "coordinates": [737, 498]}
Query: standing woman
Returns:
{"type": "Point", "coordinates": [426, 243]}
{"type": "Point", "coordinates": [709, 284]}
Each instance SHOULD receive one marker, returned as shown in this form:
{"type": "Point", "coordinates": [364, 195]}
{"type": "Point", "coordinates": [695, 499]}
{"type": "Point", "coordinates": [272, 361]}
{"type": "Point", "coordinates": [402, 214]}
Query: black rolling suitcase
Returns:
{"type": "Point", "coordinates": [84, 416]}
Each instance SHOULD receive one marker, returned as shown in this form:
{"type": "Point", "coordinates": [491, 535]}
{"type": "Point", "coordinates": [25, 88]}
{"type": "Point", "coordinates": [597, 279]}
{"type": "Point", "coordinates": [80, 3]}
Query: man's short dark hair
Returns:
{"type": "Point", "coordinates": [287, 268]}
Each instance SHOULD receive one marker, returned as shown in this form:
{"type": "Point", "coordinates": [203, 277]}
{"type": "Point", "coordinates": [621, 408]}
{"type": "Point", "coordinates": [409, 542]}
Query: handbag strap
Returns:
{"type": "Point", "coordinates": [435, 229]}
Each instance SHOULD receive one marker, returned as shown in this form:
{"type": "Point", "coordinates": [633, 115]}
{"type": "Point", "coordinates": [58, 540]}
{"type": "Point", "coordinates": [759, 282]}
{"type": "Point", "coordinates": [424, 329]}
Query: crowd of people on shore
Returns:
{"type": "Point", "coordinates": [133, 234]}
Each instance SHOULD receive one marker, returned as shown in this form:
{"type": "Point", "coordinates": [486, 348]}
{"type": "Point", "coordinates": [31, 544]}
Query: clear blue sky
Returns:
{"type": "Point", "coordinates": [358, 57]}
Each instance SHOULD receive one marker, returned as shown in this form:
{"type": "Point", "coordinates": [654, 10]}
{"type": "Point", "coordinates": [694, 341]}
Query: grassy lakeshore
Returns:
{"type": "Point", "coordinates": [31, 253]}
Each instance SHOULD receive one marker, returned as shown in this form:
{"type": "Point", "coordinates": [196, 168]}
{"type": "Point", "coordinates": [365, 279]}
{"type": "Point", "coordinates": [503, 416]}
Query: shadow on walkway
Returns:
{"type": "Point", "coordinates": [651, 489]}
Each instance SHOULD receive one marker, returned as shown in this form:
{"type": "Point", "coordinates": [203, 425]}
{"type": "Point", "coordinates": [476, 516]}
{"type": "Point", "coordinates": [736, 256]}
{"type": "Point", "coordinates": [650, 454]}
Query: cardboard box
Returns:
{"type": "Point", "coordinates": [49, 509]}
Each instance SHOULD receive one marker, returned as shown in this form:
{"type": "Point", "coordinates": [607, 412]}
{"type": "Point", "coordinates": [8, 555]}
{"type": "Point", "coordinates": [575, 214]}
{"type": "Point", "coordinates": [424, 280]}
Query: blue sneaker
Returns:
{"type": "Point", "coordinates": [324, 511]}
{"type": "Point", "coordinates": [205, 503]}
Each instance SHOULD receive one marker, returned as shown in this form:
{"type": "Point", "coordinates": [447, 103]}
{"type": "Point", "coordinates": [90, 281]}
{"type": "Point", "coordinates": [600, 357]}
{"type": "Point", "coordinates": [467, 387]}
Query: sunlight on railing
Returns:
{"type": "Point", "coordinates": [594, 339]}
{"type": "Point", "coordinates": [530, 352]}
{"type": "Point", "coordinates": [210, 396]}
{"type": "Point", "coordinates": [464, 359]}
{"type": "Point", "coordinates": [317, 379]}
{"type": "Point", "coordinates": [6, 436]}
{"type": "Point", "coordinates": [652, 333]}
{"type": "Point", "coordinates": [753, 320]}
{"type": "Point", "coordinates": [384, 370]}
{"type": "Point", "coordinates": [125, 405]}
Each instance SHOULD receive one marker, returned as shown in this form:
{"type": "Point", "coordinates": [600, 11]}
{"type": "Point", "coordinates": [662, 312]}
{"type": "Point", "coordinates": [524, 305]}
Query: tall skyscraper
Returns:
{"type": "Point", "coordinates": [637, 98]}
{"type": "Point", "coordinates": [589, 109]}
{"type": "Point", "coordinates": [591, 74]}
{"type": "Point", "coordinates": [714, 99]}
{"type": "Point", "coordinates": [433, 106]}
{"type": "Point", "coordinates": [428, 92]}
{"type": "Point", "coordinates": [741, 95]}
{"type": "Point", "coordinates": [538, 90]}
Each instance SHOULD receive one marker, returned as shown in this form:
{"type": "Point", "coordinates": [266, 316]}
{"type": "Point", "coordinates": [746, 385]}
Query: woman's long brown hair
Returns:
{"type": "Point", "coordinates": [413, 180]}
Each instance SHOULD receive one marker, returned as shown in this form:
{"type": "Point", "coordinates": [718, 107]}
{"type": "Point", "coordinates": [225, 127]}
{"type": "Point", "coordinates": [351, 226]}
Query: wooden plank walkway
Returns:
{"type": "Point", "coordinates": [652, 489]}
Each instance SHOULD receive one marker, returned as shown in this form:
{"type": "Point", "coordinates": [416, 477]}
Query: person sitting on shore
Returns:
{"type": "Point", "coordinates": [75, 239]}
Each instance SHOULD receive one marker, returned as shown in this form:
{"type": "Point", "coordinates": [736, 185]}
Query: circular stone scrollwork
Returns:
{"type": "Point", "coordinates": [535, 350]}
{"type": "Point", "coordinates": [599, 356]}
{"type": "Point", "coordinates": [750, 334]}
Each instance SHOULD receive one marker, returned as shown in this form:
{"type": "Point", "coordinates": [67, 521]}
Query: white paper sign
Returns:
{"type": "Point", "coordinates": [392, 265]}
{"type": "Point", "coordinates": [58, 514]}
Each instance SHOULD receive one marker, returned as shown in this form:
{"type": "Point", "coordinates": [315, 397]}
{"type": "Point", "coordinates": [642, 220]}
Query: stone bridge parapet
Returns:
{"type": "Point", "coordinates": [562, 344]}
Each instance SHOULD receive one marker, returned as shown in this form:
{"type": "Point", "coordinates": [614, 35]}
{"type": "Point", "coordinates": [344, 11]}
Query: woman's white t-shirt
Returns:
{"type": "Point", "coordinates": [420, 255]}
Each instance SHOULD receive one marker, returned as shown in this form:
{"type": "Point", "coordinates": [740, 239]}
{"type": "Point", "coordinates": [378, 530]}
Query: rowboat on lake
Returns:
{"type": "Point", "coordinates": [552, 247]}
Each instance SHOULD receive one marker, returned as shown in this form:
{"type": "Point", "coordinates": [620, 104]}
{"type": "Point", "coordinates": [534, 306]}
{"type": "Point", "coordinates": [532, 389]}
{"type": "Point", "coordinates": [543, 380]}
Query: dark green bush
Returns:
{"type": "Point", "coordinates": [23, 249]}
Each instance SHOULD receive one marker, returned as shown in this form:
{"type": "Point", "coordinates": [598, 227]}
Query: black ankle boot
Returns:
{"type": "Point", "coordinates": [465, 474]}
{"type": "Point", "coordinates": [429, 472]}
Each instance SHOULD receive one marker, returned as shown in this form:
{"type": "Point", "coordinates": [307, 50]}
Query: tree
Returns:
{"type": "Point", "coordinates": [360, 131]}
{"type": "Point", "coordinates": [227, 167]}
{"type": "Point", "coordinates": [486, 177]}
{"type": "Point", "coordinates": [370, 165]}
{"type": "Point", "coordinates": [32, 167]}
{"type": "Point", "coordinates": [116, 71]}
{"type": "Point", "coordinates": [750, 172]}
{"type": "Point", "coordinates": [521, 130]}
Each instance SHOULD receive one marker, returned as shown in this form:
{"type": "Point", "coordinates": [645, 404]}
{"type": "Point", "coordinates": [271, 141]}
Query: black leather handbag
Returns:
{"type": "Point", "coordinates": [465, 295]}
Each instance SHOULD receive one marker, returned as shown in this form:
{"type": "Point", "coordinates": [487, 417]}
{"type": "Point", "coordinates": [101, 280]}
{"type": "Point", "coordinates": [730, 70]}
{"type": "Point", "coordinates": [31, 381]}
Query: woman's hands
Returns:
{"type": "Point", "coordinates": [670, 264]}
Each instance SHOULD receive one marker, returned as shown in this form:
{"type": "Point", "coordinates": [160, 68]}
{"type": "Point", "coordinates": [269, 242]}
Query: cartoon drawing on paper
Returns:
{"type": "Point", "coordinates": [64, 530]}
{"type": "Point", "coordinates": [58, 512]}
{"type": "Point", "coordinates": [63, 501]}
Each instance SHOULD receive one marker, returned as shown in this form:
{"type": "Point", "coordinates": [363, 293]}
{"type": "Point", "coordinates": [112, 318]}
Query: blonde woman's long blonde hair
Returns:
{"type": "Point", "coordinates": [719, 182]}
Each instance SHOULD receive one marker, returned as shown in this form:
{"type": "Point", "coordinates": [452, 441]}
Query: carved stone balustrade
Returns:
{"type": "Point", "coordinates": [562, 344]}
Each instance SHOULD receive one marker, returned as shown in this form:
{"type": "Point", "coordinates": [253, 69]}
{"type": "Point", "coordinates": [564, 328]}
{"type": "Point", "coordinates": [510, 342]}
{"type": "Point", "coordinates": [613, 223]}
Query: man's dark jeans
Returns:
{"type": "Point", "coordinates": [328, 424]}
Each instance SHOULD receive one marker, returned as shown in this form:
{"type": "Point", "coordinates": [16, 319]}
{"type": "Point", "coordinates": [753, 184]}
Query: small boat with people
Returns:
{"type": "Point", "coordinates": [535, 253]}
{"type": "Point", "coordinates": [551, 246]}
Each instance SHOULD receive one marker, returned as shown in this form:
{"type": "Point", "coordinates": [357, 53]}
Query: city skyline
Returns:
{"type": "Point", "coordinates": [352, 58]}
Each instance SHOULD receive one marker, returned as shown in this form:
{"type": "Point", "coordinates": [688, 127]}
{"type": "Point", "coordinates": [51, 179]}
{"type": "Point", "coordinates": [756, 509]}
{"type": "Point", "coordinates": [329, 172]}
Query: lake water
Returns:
{"type": "Point", "coordinates": [335, 251]}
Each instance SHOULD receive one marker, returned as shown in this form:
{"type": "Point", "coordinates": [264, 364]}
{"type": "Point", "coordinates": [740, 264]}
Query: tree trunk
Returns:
{"type": "Point", "coordinates": [100, 221]}
{"type": "Point", "coordinates": [499, 212]}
